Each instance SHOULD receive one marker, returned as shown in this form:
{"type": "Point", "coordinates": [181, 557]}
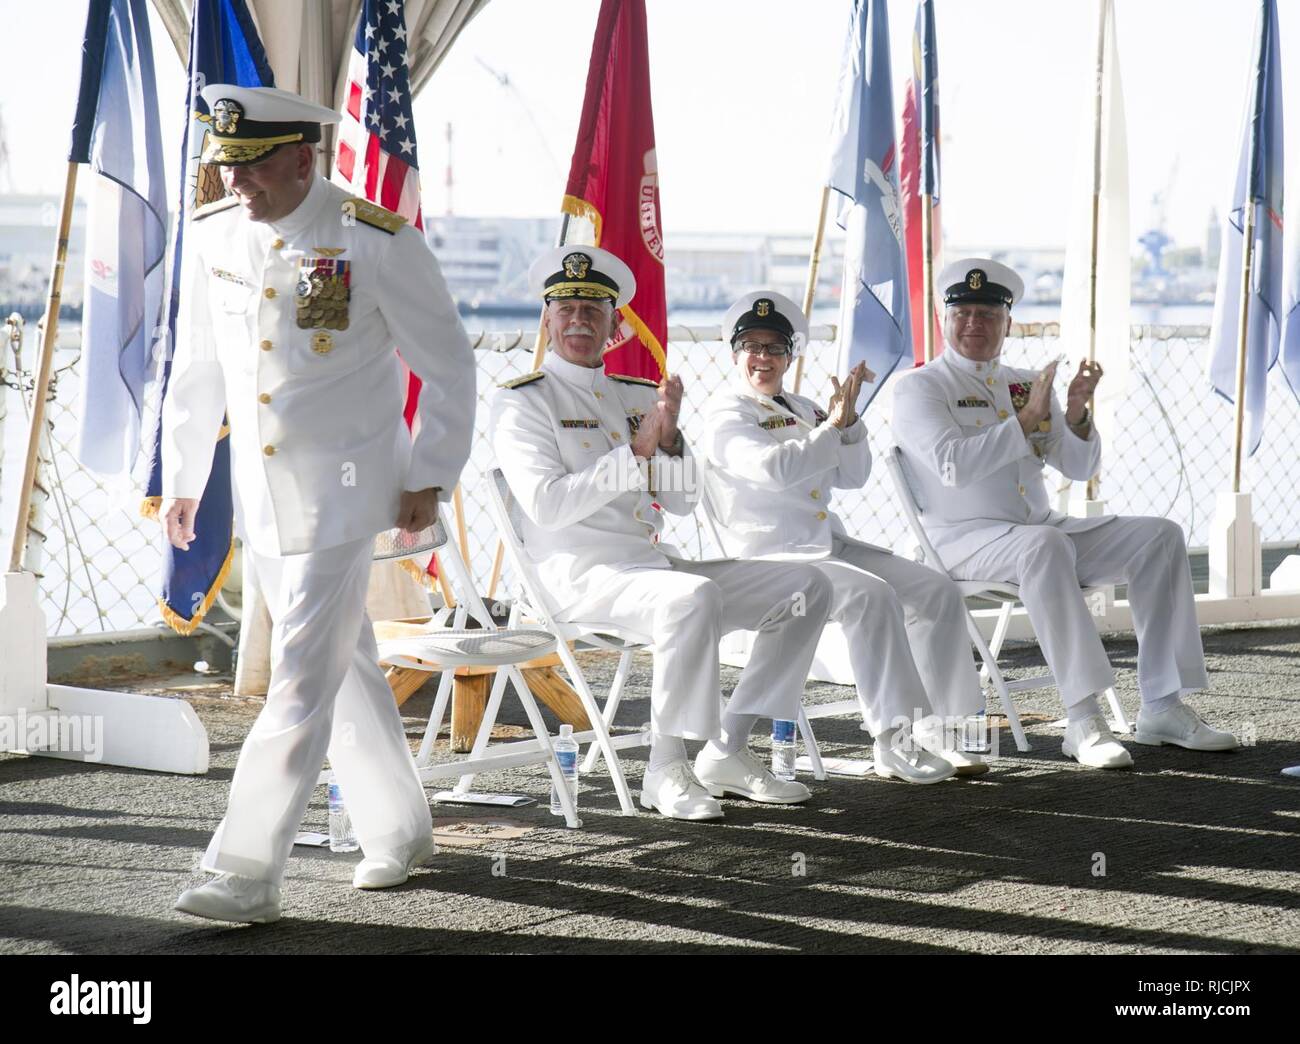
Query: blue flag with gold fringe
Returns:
{"type": "Point", "coordinates": [224, 48]}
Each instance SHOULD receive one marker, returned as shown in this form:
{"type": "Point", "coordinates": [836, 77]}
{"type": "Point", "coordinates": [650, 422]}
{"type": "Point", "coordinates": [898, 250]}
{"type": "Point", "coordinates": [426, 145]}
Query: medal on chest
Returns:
{"type": "Point", "coordinates": [322, 294]}
{"type": "Point", "coordinates": [1020, 399]}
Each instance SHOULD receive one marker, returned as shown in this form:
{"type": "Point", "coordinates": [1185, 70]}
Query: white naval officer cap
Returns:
{"type": "Point", "coordinates": [979, 280]}
{"type": "Point", "coordinates": [245, 123]}
{"type": "Point", "coordinates": [582, 271]}
{"type": "Point", "coordinates": [766, 310]}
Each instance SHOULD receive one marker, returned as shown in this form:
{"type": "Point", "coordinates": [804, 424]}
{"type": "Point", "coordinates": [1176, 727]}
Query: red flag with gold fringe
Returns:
{"type": "Point", "coordinates": [614, 182]}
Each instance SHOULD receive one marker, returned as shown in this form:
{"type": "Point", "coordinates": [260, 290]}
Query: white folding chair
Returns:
{"type": "Point", "coordinates": [1008, 594]}
{"type": "Point", "coordinates": [533, 604]}
{"type": "Point", "coordinates": [813, 762]}
{"type": "Point", "coordinates": [444, 649]}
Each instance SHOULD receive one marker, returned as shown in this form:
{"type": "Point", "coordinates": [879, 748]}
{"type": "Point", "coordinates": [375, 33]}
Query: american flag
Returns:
{"type": "Point", "coordinates": [376, 155]}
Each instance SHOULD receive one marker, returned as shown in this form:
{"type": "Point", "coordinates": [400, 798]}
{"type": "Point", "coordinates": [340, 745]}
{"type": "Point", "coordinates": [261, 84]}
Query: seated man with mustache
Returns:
{"type": "Point", "coordinates": [594, 460]}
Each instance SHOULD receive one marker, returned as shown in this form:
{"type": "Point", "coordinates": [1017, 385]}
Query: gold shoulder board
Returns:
{"type": "Point", "coordinates": [373, 214]}
{"type": "Point", "coordinates": [527, 378]}
{"type": "Point", "coordinates": [633, 380]}
{"type": "Point", "coordinates": [208, 209]}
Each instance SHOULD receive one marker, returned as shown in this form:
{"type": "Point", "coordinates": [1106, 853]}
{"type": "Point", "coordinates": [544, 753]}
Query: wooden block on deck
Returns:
{"type": "Point", "coordinates": [468, 701]}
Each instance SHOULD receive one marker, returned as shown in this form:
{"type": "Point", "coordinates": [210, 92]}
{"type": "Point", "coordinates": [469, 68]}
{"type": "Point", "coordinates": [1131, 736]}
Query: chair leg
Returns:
{"type": "Point", "coordinates": [994, 674]}
{"type": "Point", "coordinates": [1001, 627]}
{"type": "Point", "coordinates": [579, 681]}
{"type": "Point", "coordinates": [436, 716]}
{"type": "Point", "coordinates": [1117, 709]}
{"type": "Point", "coordinates": [612, 701]}
{"type": "Point", "coordinates": [484, 734]}
{"type": "Point", "coordinates": [810, 745]}
{"type": "Point", "coordinates": [544, 738]}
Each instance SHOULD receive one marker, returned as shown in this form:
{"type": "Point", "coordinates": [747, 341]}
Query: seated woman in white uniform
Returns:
{"type": "Point", "coordinates": [772, 458]}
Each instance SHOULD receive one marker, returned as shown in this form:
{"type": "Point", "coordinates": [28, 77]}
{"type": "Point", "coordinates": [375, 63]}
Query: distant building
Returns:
{"type": "Point", "coordinates": [28, 225]}
{"type": "Point", "coordinates": [1213, 240]}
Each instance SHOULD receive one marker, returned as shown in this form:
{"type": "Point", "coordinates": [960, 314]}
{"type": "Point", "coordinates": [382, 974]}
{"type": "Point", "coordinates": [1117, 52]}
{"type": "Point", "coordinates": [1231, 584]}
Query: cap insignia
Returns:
{"type": "Point", "coordinates": [975, 278]}
{"type": "Point", "coordinates": [227, 112]}
{"type": "Point", "coordinates": [763, 308]}
{"type": "Point", "coordinates": [576, 266]}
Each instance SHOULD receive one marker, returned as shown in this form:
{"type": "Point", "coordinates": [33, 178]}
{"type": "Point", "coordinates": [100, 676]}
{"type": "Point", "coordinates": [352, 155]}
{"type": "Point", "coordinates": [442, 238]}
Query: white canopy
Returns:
{"type": "Point", "coordinates": [308, 43]}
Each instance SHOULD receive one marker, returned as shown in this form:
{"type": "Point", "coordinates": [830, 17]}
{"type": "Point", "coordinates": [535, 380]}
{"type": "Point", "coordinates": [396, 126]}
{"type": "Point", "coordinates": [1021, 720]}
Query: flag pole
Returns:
{"type": "Point", "coordinates": [48, 340]}
{"type": "Point", "coordinates": [814, 262]}
{"type": "Point", "coordinates": [1247, 263]}
{"type": "Point", "coordinates": [927, 273]}
{"type": "Point", "coordinates": [1103, 7]}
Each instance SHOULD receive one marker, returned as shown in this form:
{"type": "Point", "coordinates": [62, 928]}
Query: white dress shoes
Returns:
{"type": "Point", "coordinates": [1182, 727]}
{"type": "Point", "coordinates": [943, 743]}
{"type": "Point", "coordinates": [674, 791]}
{"type": "Point", "coordinates": [387, 869]}
{"type": "Point", "coordinates": [229, 898]}
{"type": "Point", "coordinates": [1090, 742]}
{"type": "Point", "coordinates": [743, 775]}
{"type": "Point", "coordinates": [914, 765]}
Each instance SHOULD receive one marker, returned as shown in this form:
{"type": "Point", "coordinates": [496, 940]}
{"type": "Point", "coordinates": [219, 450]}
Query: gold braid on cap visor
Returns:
{"type": "Point", "coordinates": [594, 290]}
{"type": "Point", "coordinates": [242, 150]}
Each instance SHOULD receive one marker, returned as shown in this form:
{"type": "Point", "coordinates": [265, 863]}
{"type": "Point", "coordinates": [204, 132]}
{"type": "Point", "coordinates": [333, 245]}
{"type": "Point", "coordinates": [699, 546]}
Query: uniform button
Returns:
{"type": "Point", "coordinates": [586, 445]}
{"type": "Point", "coordinates": [615, 436]}
{"type": "Point", "coordinates": [269, 450]}
{"type": "Point", "coordinates": [598, 395]}
{"type": "Point", "coordinates": [269, 293]}
{"type": "Point", "coordinates": [1022, 491]}
{"type": "Point", "coordinates": [988, 381]}
{"type": "Point", "coordinates": [1002, 415]}
{"type": "Point", "coordinates": [821, 516]}
{"type": "Point", "coordinates": [979, 424]}
{"type": "Point", "coordinates": [267, 346]}
{"type": "Point", "coordinates": [816, 494]}
{"type": "Point", "coordinates": [277, 243]}
{"type": "Point", "coordinates": [264, 398]}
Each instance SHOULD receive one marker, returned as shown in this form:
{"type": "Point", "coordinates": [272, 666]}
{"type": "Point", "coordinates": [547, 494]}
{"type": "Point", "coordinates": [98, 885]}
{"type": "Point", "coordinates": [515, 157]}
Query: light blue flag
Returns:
{"type": "Point", "coordinates": [875, 318]}
{"type": "Point", "coordinates": [1258, 184]}
{"type": "Point", "coordinates": [117, 133]}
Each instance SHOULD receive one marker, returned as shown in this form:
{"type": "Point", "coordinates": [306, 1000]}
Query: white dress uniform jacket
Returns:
{"type": "Point", "coordinates": [974, 471]}
{"type": "Point", "coordinates": [769, 472]}
{"type": "Point", "coordinates": [319, 450]}
{"type": "Point", "coordinates": [592, 508]}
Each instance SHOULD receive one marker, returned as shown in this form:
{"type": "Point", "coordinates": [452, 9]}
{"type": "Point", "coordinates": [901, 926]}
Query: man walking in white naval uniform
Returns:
{"type": "Point", "coordinates": [594, 460]}
{"type": "Point", "coordinates": [772, 459]}
{"type": "Point", "coordinates": [975, 435]}
{"type": "Point", "coordinates": [294, 296]}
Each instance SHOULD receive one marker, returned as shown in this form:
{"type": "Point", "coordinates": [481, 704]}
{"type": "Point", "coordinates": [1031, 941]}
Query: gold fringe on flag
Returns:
{"type": "Point", "coordinates": [580, 208]}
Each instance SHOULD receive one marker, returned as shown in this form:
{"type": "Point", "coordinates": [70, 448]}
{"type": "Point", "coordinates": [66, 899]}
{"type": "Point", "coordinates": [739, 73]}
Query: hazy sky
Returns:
{"type": "Point", "coordinates": [743, 93]}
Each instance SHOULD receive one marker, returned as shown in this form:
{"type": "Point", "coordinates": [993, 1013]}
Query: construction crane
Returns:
{"type": "Point", "coordinates": [504, 80]}
{"type": "Point", "coordinates": [1155, 239]}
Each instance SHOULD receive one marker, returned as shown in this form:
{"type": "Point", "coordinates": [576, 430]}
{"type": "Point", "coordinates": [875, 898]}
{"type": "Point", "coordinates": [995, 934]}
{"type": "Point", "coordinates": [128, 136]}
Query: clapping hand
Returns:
{"type": "Point", "coordinates": [649, 432]}
{"type": "Point", "coordinates": [843, 409]}
{"type": "Point", "coordinates": [1039, 406]}
{"type": "Point", "coordinates": [1082, 388]}
{"type": "Point", "coordinates": [668, 407]}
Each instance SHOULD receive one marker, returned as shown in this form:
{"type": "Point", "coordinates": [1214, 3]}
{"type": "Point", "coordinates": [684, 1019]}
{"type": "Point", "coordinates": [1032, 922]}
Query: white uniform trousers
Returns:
{"type": "Point", "coordinates": [1147, 554]}
{"type": "Point", "coordinates": [906, 630]}
{"type": "Point", "coordinates": [687, 609]}
{"type": "Point", "coordinates": [327, 691]}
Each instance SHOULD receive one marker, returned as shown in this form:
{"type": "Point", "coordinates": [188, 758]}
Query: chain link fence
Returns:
{"type": "Point", "coordinates": [99, 561]}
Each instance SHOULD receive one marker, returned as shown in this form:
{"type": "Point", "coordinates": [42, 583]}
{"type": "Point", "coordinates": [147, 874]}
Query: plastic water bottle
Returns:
{"type": "Point", "coordinates": [566, 753]}
{"type": "Point", "coordinates": [342, 837]}
{"type": "Point", "coordinates": [784, 749]}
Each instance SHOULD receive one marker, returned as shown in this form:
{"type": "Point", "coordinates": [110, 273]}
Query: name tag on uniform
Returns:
{"type": "Point", "coordinates": [972, 402]}
{"type": "Point", "coordinates": [579, 423]}
{"type": "Point", "coordinates": [230, 277]}
{"type": "Point", "coordinates": [777, 422]}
